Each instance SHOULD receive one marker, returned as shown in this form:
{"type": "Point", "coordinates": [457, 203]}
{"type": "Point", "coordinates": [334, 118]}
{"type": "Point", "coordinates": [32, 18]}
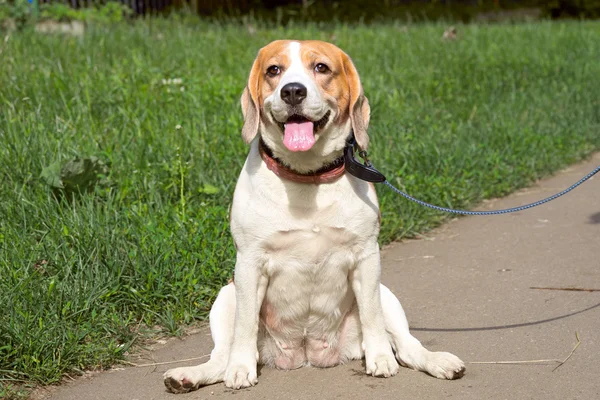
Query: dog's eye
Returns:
{"type": "Point", "coordinates": [321, 68]}
{"type": "Point", "coordinates": [273, 70]}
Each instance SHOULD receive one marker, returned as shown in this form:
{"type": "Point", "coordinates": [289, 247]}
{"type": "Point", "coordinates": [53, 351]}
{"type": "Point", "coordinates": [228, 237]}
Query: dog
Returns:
{"type": "Point", "coordinates": [306, 287]}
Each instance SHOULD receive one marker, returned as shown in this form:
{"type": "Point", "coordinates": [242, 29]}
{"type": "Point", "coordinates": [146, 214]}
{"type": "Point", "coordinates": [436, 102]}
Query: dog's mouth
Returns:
{"type": "Point", "coordinates": [298, 119]}
{"type": "Point", "coordinates": [299, 131]}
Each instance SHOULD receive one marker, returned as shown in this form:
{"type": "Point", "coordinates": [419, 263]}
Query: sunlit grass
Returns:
{"type": "Point", "coordinates": [452, 122]}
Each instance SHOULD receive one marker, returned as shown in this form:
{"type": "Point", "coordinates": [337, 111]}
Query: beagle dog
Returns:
{"type": "Point", "coordinates": [306, 288]}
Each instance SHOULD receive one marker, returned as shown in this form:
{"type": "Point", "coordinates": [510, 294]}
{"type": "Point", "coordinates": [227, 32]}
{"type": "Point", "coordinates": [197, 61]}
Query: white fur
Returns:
{"type": "Point", "coordinates": [307, 277]}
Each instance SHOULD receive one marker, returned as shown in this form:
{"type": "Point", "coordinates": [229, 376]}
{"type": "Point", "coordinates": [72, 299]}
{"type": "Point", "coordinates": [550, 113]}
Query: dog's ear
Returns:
{"type": "Point", "coordinates": [250, 103]}
{"type": "Point", "coordinates": [359, 105]}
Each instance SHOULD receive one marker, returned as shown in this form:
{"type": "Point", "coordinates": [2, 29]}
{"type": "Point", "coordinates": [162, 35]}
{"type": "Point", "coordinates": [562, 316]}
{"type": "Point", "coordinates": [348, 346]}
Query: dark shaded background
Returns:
{"type": "Point", "coordinates": [370, 10]}
{"type": "Point", "coordinates": [283, 11]}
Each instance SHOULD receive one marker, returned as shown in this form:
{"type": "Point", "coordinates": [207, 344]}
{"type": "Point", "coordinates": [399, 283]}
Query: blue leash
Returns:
{"type": "Point", "coordinates": [494, 212]}
{"type": "Point", "coordinates": [367, 172]}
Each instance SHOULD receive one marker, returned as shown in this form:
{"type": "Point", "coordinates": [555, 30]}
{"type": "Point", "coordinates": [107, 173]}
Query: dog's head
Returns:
{"type": "Point", "coordinates": [303, 97]}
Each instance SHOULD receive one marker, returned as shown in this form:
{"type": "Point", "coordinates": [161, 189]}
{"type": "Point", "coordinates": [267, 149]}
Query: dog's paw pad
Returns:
{"type": "Point", "coordinates": [176, 381]}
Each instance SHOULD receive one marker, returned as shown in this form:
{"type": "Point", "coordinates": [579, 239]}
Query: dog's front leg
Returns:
{"type": "Point", "coordinates": [379, 357]}
{"type": "Point", "coordinates": [250, 286]}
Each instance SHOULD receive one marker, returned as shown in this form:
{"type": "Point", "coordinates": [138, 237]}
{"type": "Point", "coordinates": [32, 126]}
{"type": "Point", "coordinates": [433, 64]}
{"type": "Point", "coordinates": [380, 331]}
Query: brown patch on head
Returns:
{"type": "Point", "coordinates": [261, 83]}
{"type": "Point", "coordinates": [340, 81]}
{"type": "Point", "coordinates": [332, 80]}
{"type": "Point", "coordinates": [331, 69]}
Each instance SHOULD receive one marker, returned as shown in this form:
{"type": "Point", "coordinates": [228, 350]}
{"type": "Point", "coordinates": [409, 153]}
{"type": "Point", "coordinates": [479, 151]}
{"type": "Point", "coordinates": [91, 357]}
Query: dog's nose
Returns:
{"type": "Point", "coordinates": [293, 93]}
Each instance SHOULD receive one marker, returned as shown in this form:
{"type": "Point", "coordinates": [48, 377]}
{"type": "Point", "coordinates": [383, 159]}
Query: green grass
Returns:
{"type": "Point", "coordinates": [452, 122]}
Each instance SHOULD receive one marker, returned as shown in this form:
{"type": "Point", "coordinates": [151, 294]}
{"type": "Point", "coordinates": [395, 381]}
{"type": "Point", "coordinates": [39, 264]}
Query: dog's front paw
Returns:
{"type": "Point", "coordinates": [382, 365]}
{"type": "Point", "coordinates": [444, 365]}
{"type": "Point", "coordinates": [181, 380]}
{"type": "Point", "coordinates": [241, 372]}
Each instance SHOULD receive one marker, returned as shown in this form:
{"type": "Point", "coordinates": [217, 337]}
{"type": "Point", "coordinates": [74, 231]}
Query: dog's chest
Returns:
{"type": "Point", "coordinates": [308, 268]}
{"type": "Point", "coordinates": [306, 239]}
{"type": "Point", "coordinates": [303, 228]}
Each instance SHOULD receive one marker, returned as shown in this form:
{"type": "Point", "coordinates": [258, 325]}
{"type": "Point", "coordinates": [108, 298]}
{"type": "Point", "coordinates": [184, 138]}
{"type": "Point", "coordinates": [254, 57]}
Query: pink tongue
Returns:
{"type": "Point", "coordinates": [299, 136]}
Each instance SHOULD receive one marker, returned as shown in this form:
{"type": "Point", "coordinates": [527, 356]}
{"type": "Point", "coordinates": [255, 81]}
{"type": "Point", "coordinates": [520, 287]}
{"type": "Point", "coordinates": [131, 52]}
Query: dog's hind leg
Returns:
{"type": "Point", "coordinates": [409, 351]}
{"type": "Point", "coordinates": [222, 313]}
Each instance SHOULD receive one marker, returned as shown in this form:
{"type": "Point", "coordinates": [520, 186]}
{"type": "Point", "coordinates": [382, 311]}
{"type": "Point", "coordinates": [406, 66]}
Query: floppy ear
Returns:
{"type": "Point", "coordinates": [359, 105]}
{"type": "Point", "coordinates": [250, 104]}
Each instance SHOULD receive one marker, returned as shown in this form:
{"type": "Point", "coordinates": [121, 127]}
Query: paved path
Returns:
{"type": "Point", "coordinates": [466, 289]}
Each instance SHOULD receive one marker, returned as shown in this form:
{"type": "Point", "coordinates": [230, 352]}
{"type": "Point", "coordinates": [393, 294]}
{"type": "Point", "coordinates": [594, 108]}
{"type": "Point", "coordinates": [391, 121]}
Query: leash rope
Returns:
{"type": "Point", "coordinates": [367, 172]}
{"type": "Point", "coordinates": [494, 212]}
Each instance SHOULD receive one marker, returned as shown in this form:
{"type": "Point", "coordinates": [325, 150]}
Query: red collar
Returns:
{"type": "Point", "coordinates": [326, 174]}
